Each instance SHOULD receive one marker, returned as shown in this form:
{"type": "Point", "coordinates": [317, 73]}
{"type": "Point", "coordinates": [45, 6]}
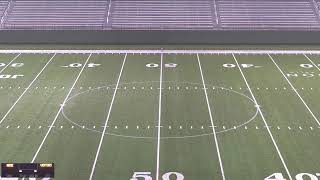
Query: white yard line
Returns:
{"type": "Point", "coordinates": [16, 57]}
{"type": "Point", "coordinates": [159, 120]}
{"type": "Point", "coordinates": [294, 89]}
{"type": "Point", "coordinates": [60, 109]}
{"type": "Point", "coordinates": [15, 103]}
{"type": "Point", "coordinates": [263, 118]}
{"type": "Point", "coordinates": [107, 120]}
{"type": "Point", "coordinates": [211, 119]}
{"type": "Point", "coordinates": [314, 64]}
{"type": "Point", "coordinates": [159, 51]}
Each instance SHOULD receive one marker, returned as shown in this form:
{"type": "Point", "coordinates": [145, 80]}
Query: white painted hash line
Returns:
{"type": "Point", "coordinates": [24, 92]}
{"type": "Point", "coordinates": [107, 119]}
{"type": "Point", "coordinates": [60, 109]}
{"type": "Point", "coordinates": [159, 119]}
{"type": "Point", "coordinates": [263, 118]}
{"type": "Point", "coordinates": [211, 119]}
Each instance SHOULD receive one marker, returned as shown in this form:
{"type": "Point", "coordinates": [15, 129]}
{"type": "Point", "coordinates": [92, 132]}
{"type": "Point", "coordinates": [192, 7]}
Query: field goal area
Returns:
{"type": "Point", "coordinates": [163, 114]}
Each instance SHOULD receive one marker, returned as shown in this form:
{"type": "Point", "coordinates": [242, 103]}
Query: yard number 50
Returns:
{"type": "Point", "coordinates": [147, 176]}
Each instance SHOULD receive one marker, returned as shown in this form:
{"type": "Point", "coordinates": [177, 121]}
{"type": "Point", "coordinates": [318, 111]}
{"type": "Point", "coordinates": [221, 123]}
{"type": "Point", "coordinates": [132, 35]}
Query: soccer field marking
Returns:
{"type": "Point", "coordinates": [16, 102]}
{"type": "Point", "coordinates": [263, 118]}
{"type": "Point", "coordinates": [211, 119]}
{"type": "Point", "coordinates": [107, 120]}
{"type": "Point", "coordinates": [294, 89]}
{"type": "Point", "coordinates": [158, 51]}
{"type": "Point", "coordinates": [107, 87]}
{"type": "Point", "coordinates": [58, 113]}
{"type": "Point", "coordinates": [159, 119]}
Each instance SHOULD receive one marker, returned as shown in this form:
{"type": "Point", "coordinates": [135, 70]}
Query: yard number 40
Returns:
{"type": "Point", "coordinates": [147, 176]}
{"type": "Point", "coordinates": [301, 176]}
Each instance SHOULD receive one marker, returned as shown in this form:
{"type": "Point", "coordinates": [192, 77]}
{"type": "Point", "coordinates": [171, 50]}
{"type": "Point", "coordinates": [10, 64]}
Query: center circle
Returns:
{"type": "Point", "coordinates": [167, 84]}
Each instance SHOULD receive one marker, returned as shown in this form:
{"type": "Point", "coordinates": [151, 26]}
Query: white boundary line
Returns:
{"type": "Point", "coordinates": [58, 113]}
{"type": "Point", "coordinates": [107, 119]}
{"type": "Point", "coordinates": [294, 89]}
{"type": "Point", "coordinates": [159, 51]}
{"type": "Point", "coordinates": [263, 118]}
{"type": "Point", "coordinates": [211, 119]}
{"type": "Point", "coordinates": [14, 104]}
{"type": "Point", "coordinates": [10, 62]}
{"type": "Point", "coordinates": [159, 120]}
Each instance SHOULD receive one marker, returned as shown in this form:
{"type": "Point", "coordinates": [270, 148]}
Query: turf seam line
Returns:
{"type": "Point", "coordinates": [107, 119]}
{"type": "Point", "coordinates": [294, 89]}
{"type": "Point", "coordinates": [263, 118]}
{"type": "Point", "coordinates": [60, 109]}
{"type": "Point", "coordinates": [211, 119]}
{"type": "Point", "coordinates": [159, 118]}
{"type": "Point", "coordinates": [16, 102]}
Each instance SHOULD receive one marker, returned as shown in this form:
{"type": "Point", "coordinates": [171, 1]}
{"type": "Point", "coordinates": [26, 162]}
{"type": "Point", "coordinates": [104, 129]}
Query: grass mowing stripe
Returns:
{"type": "Point", "coordinates": [159, 119]}
{"type": "Point", "coordinates": [14, 104]}
{"type": "Point", "coordinates": [107, 119]}
{"type": "Point", "coordinates": [294, 89]}
{"type": "Point", "coordinates": [10, 62]}
{"type": "Point", "coordinates": [263, 118]}
{"type": "Point", "coordinates": [211, 119]}
{"type": "Point", "coordinates": [56, 117]}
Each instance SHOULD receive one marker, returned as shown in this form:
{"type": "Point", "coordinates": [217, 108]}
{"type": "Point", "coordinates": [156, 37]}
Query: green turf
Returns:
{"type": "Point", "coordinates": [187, 144]}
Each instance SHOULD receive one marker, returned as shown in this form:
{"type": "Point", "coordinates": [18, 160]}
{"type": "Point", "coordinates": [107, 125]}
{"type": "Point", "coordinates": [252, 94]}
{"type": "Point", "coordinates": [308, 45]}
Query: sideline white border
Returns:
{"type": "Point", "coordinates": [158, 51]}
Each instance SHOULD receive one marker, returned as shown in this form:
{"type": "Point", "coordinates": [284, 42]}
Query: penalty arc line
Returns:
{"type": "Point", "coordinates": [211, 119]}
{"type": "Point", "coordinates": [15, 103]}
{"type": "Point", "coordinates": [107, 120]}
{"type": "Point", "coordinates": [159, 119]}
{"type": "Point", "coordinates": [294, 89]}
{"type": "Point", "coordinates": [263, 118]}
{"type": "Point", "coordinates": [60, 109]}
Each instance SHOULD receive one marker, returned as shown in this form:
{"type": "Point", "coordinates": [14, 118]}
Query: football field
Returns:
{"type": "Point", "coordinates": [163, 114]}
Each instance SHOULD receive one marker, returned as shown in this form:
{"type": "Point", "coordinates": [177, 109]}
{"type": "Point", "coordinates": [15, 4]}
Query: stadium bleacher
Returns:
{"type": "Point", "coordinates": [165, 14]}
{"type": "Point", "coordinates": [3, 7]}
{"type": "Point", "coordinates": [57, 14]}
{"type": "Point", "coordinates": [160, 15]}
{"type": "Point", "coordinates": [267, 14]}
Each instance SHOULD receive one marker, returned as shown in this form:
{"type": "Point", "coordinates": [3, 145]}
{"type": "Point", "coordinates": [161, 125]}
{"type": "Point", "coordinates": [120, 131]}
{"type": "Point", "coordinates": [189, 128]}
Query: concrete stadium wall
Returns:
{"type": "Point", "coordinates": [159, 37]}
